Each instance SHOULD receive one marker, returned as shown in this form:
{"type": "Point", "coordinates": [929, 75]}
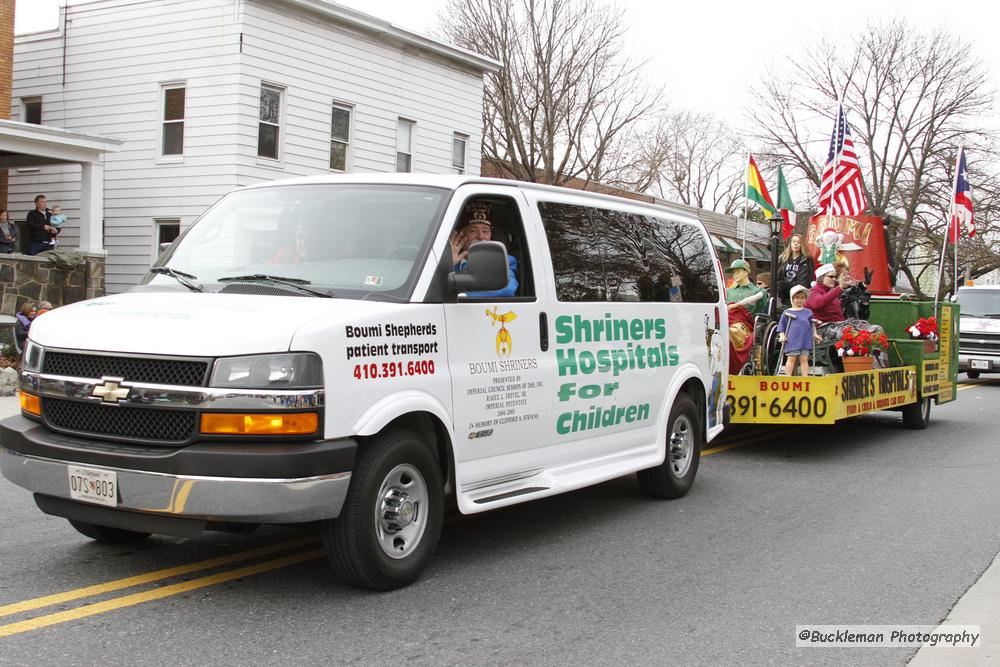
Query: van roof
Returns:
{"type": "Point", "coordinates": [452, 182]}
{"type": "Point", "coordinates": [962, 288]}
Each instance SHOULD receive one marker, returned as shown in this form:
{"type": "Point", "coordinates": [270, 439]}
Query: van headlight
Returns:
{"type": "Point", "coordinates": [32, 357]}
{"type": "Point", "coordinates": [294, 370]}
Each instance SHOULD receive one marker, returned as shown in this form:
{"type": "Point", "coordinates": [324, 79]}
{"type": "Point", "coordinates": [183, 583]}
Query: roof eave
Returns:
{"type": "Point", "coordinates": [381, 27]}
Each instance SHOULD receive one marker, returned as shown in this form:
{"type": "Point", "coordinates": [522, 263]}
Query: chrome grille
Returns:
{"type": "Point", "coordinates": [979, 343]}
{"type": "Point", "coordinates": [133, 423]}
{"type": "Point", "coordinates": [133, 369]}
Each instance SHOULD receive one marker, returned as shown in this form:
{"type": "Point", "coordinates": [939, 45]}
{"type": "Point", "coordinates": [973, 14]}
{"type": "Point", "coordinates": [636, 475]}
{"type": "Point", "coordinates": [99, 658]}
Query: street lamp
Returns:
{"type": "Point", "coordinates": [776, 221]}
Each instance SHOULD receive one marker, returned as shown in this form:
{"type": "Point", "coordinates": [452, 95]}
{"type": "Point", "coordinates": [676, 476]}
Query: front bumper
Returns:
{"type": "Point", "coordinates": [257, 488]}
{"type": "Point", "coordinates": [965, 359]}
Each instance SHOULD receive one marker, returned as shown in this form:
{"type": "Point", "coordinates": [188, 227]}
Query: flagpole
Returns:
{"type": "Point", "coordinates": [949, 219]}
{"type": "Point", "coordinates": [951, 207]}
{"type": "Point", "coordinates": [746, 204]}
{"type": "Point", "coordinates": [940, 276]}
{"type": "Point", "coordinates": [836, 160]}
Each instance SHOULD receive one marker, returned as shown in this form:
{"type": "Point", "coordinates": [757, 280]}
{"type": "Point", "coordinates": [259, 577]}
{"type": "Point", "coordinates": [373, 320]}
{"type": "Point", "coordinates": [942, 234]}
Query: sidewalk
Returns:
{"type": "Point", "coordinates": [979, 606]}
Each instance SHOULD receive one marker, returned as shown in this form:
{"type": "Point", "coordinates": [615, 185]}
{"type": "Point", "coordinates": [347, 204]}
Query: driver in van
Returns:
{"type": "Point", "coordinates": [476, 224]}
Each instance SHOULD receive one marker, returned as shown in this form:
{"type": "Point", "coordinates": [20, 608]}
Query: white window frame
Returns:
{"type": "Point", "coordinates": [400, 122]}
{"type": "Point", "coordinates": [349, 108]}
{"type": "Point", "coordinates": [460, 168]}
{"type": "Point", "coordinates": [159, 223]}
{"type": "Point", "coordinates": [25, 101]}
{"type": "Point", "coordinates": [279, 145]}
{"type": "Point", "coordinates": [164, 87]}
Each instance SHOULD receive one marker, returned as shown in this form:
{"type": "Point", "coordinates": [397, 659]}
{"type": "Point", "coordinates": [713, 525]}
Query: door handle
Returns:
{"type": "Point", "coordinates": [543, 331]}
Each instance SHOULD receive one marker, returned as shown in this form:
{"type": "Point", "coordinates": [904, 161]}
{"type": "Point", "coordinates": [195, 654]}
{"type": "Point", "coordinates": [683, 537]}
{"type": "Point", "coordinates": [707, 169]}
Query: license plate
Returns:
{"type": "Point", "coordinates": [980, 364]}
{"type": "Point", "coordinates": [93, 486]}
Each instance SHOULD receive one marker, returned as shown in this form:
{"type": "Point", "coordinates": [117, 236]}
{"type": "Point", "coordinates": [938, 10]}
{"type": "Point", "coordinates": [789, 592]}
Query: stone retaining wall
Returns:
{"type": "Point", "coordinates": [35, 278]}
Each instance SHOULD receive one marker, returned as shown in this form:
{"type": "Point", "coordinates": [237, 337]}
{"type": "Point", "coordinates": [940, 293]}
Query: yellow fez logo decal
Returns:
{"type": "Point", "coordinates": [504, 343]}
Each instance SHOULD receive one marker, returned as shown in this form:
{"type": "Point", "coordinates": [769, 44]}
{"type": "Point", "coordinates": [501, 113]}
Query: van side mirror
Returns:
{"type": "Point", "coordinates": [487, 269]}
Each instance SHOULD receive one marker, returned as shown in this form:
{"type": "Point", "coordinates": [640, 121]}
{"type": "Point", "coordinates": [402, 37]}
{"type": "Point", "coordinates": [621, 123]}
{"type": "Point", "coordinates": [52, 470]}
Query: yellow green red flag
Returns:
{"type": "Point", "coordinates": [756, 190]}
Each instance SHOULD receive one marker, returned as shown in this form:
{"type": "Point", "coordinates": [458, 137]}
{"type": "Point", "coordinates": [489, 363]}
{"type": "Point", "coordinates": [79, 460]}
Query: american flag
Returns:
{"type": "Point", "coordinates": [961, 205]}
{"type": "Point", "coordinates": [841, 193]}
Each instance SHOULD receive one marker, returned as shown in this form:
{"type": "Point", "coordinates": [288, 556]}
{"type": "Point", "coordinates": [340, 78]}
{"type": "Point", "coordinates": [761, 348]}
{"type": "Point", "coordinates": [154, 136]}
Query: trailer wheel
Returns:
{"type": "Point", "coordinates": [972, 375]}
{"type": "Point", "coordinates": [107, 534]}
{"type": "Point", "coordinates": [673, 478]}
{"type": "Point", "coordinates": [390, 524]}
{"type": "Point", "coordinates": [917, 415]}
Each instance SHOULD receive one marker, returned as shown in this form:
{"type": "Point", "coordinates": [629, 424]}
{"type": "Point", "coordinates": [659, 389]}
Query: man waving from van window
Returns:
{"type": "Point", "coordinates": [476, 224]}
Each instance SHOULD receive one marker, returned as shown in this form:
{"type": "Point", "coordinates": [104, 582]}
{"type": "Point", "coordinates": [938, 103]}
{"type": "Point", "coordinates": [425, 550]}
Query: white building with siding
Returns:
{"type": "Point", "coordinates": [209, 95]}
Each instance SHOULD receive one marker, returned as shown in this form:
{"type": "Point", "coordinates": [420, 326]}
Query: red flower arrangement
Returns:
{"type": "Point", "coordinates": [925, 327]}
{"type": "Point", "coordinates": [860, 343]}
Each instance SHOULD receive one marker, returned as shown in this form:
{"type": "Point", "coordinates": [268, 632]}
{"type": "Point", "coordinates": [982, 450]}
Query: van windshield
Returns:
{"type": "Point", "coordinates": [349, 240]}
{"type": "Point", "coordinates": [979, 303]}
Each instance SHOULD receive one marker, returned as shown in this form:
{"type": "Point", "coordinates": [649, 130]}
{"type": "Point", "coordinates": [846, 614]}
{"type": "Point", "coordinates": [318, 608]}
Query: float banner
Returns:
{"type": "Point", "coordinates": [863, 246]}
{"type": "Point", "coordinates": [820, 399]}
{"type": "Point", "coordinates": [930, 382]}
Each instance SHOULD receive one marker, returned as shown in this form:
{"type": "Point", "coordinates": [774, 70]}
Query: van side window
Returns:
{"type": "Point", "coordinates": [681, 252]}
{"type": "Point", "coordinates": [607, 255]}
{"type": "Point", "coordinates": [577, 255]}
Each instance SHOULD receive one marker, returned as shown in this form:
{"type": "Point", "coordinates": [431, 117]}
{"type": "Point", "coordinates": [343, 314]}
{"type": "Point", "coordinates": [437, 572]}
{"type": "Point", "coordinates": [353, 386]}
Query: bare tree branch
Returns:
{"type": "Point", "coordinates": [912, 98]}
{"type": "Point", "coordinates": [567, 100]}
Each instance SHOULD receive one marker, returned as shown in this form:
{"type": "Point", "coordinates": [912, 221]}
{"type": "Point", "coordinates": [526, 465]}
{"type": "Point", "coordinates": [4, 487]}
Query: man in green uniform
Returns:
{"type": "Point", "coordinates": [743, 292]}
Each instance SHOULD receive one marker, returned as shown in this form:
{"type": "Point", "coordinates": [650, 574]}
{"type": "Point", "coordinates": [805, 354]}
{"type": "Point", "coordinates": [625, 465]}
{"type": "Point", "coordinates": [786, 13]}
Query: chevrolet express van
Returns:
{"type": "Point", "coordinates": [311, 350]}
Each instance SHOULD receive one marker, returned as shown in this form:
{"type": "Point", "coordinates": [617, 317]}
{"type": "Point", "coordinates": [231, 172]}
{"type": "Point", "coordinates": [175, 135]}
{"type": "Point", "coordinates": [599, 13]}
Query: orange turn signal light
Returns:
{"type": "Point", "coordinates": [299, 423]}
{"type": "Point", "coordinates": [31, 404]}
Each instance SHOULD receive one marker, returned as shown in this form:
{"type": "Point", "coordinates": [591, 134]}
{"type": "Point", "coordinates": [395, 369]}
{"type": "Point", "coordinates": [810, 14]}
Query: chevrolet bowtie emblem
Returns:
{"type": "Point", "coordinates": [110, 391]}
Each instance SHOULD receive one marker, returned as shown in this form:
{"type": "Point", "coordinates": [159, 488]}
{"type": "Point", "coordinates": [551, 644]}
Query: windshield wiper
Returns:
{"type": "Point", "coordinates": [179, 276]}
{"type": "Point", "coordinates": [297, 283]}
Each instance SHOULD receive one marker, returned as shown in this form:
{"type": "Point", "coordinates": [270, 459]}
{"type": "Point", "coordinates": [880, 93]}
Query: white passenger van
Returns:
{"type": "Point", "coordinates": [308, 350]}
{"type": "Point", "coordinates": [979, 330]}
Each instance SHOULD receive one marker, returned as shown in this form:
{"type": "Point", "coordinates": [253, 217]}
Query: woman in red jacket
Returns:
{"type": "Point", "coordinates": [824, 300]}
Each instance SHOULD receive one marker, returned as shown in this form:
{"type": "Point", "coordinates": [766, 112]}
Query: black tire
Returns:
{"type": "Point", "coordinates": [106, 534]}
{"type": "Point", "coordinates": [917, 415]}
{"type": "Point", "coordinates": [972, 375]}
{"type": "Point", "coordinates": [356, 542]}
{"type": "Point", "coordinates": [669, 480]}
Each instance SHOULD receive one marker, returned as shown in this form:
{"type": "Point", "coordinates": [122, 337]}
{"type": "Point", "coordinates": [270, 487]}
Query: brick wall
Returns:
{"type": "Point", "coordinates": [6, 75]}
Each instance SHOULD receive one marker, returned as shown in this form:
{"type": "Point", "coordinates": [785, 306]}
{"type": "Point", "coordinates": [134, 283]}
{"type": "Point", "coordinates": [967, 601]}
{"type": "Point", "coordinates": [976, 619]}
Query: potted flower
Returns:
{"type": "Point", "coordinates": [925, 329]}
{"type": "Point", "coordinates": [856, 348]}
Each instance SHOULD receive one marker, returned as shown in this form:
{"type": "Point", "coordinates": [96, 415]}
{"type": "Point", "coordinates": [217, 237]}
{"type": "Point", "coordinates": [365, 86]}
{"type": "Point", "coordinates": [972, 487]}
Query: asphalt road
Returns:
{"type": "Point", "coordinates": [860, 523]}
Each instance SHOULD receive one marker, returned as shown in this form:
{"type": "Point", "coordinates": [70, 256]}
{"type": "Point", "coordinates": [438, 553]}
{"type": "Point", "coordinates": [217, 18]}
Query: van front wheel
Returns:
{"type": "Point", "coordinates": [673, 478]}
{"type": "Point", "coordinates": [390, 524]}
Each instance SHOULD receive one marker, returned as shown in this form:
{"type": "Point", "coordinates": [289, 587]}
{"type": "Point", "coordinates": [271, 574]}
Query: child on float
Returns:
{"type": "Point", "coordinates": [795, 330]}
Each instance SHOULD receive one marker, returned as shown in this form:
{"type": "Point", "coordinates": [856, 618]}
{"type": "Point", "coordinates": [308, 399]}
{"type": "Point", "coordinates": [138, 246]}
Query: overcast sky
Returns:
{"type": "Point", "coordinates": [708, 53]}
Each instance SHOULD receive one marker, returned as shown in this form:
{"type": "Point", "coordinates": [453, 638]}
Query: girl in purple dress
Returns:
{"type": "Point", "coordinates": [795, 330]}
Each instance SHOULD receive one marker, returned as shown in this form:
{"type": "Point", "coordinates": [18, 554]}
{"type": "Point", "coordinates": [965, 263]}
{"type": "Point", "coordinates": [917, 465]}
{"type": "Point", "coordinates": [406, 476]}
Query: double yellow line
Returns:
{"type": "Point", "coordinates": [156, 593]}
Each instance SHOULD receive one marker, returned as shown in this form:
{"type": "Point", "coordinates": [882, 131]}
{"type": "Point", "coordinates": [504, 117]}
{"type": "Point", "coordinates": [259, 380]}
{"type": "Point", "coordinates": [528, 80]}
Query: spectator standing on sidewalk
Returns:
{"type": "Point", "coordinates": [23, 323]}
{"type": "Point", "coordinates": [39, 230]}
{"type": "Point", "coordinates": [8, 233]}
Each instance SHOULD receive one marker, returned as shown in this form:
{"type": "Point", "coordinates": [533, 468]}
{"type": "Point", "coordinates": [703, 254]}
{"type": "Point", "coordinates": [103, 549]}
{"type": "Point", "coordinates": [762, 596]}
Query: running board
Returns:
{"type": "Point", "coordinates": [510, 494]}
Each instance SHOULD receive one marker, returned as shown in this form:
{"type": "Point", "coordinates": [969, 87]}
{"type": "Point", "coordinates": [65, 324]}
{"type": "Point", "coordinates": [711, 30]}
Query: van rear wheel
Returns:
{"type": "Point", "coordinates": [390, 524]}
{"type": "Point", "coordinates": [107, 534]}
{"type": "Point", "coordinates": [673, 478]}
